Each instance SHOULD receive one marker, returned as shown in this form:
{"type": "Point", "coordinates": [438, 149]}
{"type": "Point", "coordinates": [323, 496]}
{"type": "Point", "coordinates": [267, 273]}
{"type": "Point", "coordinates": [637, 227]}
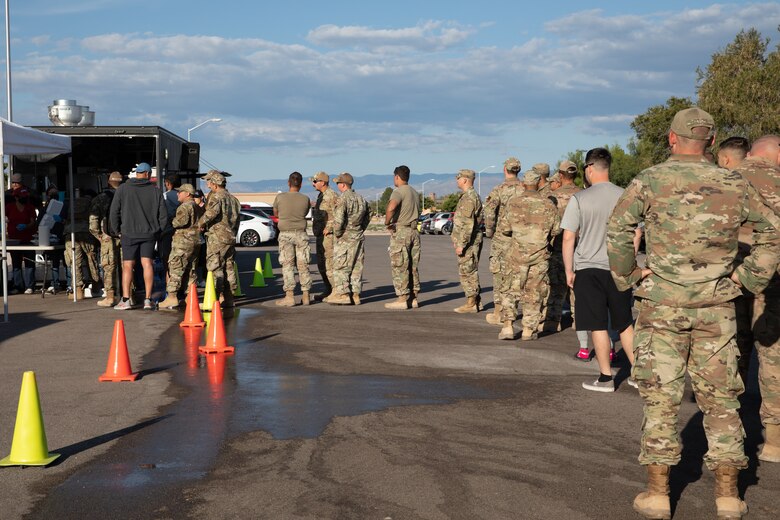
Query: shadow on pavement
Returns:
{"type": "Point", "coordinates": [23, 322]}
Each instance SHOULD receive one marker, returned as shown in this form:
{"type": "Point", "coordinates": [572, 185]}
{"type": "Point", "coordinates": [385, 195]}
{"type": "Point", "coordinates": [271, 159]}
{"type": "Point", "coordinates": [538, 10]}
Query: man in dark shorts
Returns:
{"type": "Point", "coordinates": [138, 214]}
{"type": "Point", "coordinates": [587, 268]}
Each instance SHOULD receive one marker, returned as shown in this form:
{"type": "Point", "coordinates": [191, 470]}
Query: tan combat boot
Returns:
{"type": "Point", "coordinates": [494, 318]}
{"type": "Point", "coordinates": [171, 302]}
{"type": "Point", "coordinates": [469, 307]}
{"type": "Point", "coordinates": [287, 301]}
{"type": "Point", "coordinates": [339, 299]}
{"type": "Point", "coordinates": [726, 495]}
{"type": "Point", "coordinates": [79, 293]}
{"type": "Point", "coordinates": [414, 303]}
{"type": "Point", "coordinates": [771, 450]}
{"type": "Point", "coordinates": [355, 299]}
{"type": "Point", "coordinates": [654, 503]}
{"type": "Point", "coordinates": [528, 334]}
{"type": "Point", "coordinates": [109, 300]}
{"type": "Point", "coordinates": [401, 303]}
{"type": "Point", "coordinates": [305, 300]}
{"type": "Point", "coordinates": [508, 330]}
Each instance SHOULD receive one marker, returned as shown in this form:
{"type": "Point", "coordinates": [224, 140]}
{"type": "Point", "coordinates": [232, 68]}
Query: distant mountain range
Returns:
{"type": "Point", "coordinates": [373, 185]}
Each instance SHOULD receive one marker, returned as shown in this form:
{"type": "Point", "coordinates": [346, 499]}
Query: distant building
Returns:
{"type": "Point", "coordinates": [256, 199]}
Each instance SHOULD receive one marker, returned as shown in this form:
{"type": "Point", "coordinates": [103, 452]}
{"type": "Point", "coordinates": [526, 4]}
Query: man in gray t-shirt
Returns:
{"type": "Point", "coordinates": [587, 267]}
{"type": "Point", "coordinates": [294, 251]}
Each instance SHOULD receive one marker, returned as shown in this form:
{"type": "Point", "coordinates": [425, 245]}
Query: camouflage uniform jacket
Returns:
{"type": "Point", "coordinates": [185, 223]}
{"type": "Point", "coordinates": [221, 217]}
{"type": "Point", "coordinates": [533, 220]}
{"type": "Point", "coordinates": [466, 222]}
{"type": "Point", "coordinates": [322, 213]}
{"type": "Point", "coordinates": [562, 197]}
{"type": "Point", "coordinates": [98, 213]}
{"type": "Point", "coordinates": [692, 212]}
{"type": "Point", "coordinates": [350, 215]}
{"type": "Point", "coordinates": [546, 190]}
{"type": "Point", "coordinates": [495, 207]}
{"type": "Point", "coordinates": [80, 215]}
{"type": "Point", "coordinates": [236, 211]}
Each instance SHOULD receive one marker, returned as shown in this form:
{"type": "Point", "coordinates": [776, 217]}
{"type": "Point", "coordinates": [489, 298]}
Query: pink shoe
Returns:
{"type": "Point", "coordinates": [612, 355]}
{"type": "Point", "coordinates": [583, 354]}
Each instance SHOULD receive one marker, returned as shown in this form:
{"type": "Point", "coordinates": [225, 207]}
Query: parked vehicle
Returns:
{"type": "Point", "coordinates": [425, 227]}
{"type": "Point", "coordinates": [421, 220]}
{"type": "Point", "coordinates": [260, 212]}
{"type": "Point", "coordinates": [438, 221]}
{"type": "Point", "coordinates": [447, 227]}
{"type": "Point", "coordinates": [255, 229]}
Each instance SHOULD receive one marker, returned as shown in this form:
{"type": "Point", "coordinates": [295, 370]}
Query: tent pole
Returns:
{"type": "Point", "coordinates": [5, 256]}
{"type": "Point", "coordinates": [73, 271]}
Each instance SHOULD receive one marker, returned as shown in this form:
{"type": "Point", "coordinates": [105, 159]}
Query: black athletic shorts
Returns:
{"type": "Point", "coordinates": [133, 247]}
{"type": "Point", "coordinates": [597, 299]}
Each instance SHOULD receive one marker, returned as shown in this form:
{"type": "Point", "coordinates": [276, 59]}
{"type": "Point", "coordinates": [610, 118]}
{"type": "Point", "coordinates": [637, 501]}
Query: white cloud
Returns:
{"type": "Point", "coordinates": [428, 36]}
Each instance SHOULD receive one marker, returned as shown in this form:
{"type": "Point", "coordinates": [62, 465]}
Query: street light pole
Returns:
{"type": "Point", "coordinates": [212, 120]}
{"type": "Point", "coordinates": [423, 194]}
{"type": "Point", "coordinates": [479, 179]}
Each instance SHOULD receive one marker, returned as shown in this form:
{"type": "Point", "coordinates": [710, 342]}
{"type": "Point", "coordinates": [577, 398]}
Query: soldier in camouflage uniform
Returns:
{"type": "Point", "coordinates": [497, 228]}
{"type": "Point", "coordinates": [543, 170]}
{"type": "Point", "coordinates": [294, 251]}
{"type": "Point", "coordinates": [401, 216]}
{"type": "Point", "coordinates": [692, 212]}
{"type": "Point", "coordinates": [559, 290]}
{"type": "Point", "coordinates": [185, 246]}
{"type": "Point", "coordinates": [231, 260]}
{"type": "Point", "coordinates": [219, 222]}
{"type": "Point", "coordinates": [467, 240]}
{"type": "Point", "coordinates": [350, 220]}
{"type": "Point", "coordinates": [84, 246]}
{"type": "Point", "coordinates": [533, 221]}
{"type": "Point", "coordinates": [322, 227]}
{"type": "Point", "coordinates": [109, 245]}
{"type": "Point", "coordinates": [762, 170]}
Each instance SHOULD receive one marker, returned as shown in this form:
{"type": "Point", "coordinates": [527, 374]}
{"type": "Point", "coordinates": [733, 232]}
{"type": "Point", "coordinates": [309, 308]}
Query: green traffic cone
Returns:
{"type": "Point", "coordinates": [238, 293]}
{"type": "Point", "coordinates": [259, 279]}
{"type": "Point", "coordinates": [268, 270]}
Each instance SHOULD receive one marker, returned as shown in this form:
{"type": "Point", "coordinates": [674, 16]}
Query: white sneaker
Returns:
{"type": "Point", "coordinates": [50, 290]}
{"type": "Point", "coordinates": [28, 291]}
{"type": "Point", "coordinates": [597, 386]}
{"type": "Point", "coordinates": [632, 383]}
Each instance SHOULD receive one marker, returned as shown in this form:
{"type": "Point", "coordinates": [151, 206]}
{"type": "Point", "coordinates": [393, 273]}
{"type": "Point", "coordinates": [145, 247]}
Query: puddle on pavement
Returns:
{"type": "Point", "coordinates": [227, 395]}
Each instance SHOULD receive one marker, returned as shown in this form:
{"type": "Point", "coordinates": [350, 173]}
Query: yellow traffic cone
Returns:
{"type": "Point", "coordinates": [238, 293]}
{"type": "Point", "coordinates": [268, 269]}
{"type": "Point", "coordinates": [210, 294]}
{"type": "Point", "coordinates": [29, 447]}
{"type": "Point", "coordinates": [259, 278]}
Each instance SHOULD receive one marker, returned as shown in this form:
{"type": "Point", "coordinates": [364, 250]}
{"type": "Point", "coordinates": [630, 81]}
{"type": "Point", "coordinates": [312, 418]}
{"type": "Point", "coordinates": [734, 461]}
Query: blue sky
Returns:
{"type": "Point", "coordinates": [365, 86]}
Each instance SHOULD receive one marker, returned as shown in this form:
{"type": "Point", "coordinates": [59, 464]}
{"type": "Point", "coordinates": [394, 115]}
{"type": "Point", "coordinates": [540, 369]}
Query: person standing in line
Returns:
{"type": "Point", "coordinates": [231, 270]}
{"type": "Point", "coordinates": [322, 227]}
{"type": "Point", "coordinates": [350, 221]}
{"type": "Point", "coordinates": [543, 171]}
{"type": "Point", "coordinates": [497, 229]}
{"type": "Point", "coordinates": [138, 215]}
{"type": "Point", "coordinates": [762, 170]}
{"type": "Point", "coordinates": [587, 267]}
{"type": "Point", "coordinates": [467, 240]}
{"type": "Point", "coordinates": [170, 196]}
{"type": "Point", "coordinates": [294, 251]}
{"type": "Point", "coordinates": [20, 219]}
{"type": "Point", "coordinates": [100, 228]}
{"type": "Point", "coordinates": [692, 212]}
{"type": "Point", "coordinates": [401, 216]}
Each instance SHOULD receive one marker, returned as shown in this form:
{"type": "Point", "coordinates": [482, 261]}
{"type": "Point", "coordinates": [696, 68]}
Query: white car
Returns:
{"type": "Point", "coordinates": [254, 230]}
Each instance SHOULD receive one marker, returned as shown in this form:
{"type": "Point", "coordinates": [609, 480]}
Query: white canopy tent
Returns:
{"type": "Point", "coordinates": [20, 140]}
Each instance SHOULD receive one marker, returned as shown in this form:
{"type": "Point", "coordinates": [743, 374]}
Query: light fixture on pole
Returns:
{"type": "Point", "coordinates": [212, 120]}
{"type": "Point", "coordinates": [423, 194]}
{"type": "Point", "coordinates": [479, 179]}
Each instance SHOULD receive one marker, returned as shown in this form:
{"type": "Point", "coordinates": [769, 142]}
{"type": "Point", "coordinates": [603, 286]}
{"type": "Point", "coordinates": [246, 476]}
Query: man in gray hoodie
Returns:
{"type": "Point", "coordinates": [138, 214]}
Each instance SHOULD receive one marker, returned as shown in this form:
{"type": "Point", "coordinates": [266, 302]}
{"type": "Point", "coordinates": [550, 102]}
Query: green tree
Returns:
{"type": "Point", "coordinates": [450, 202]}
{"type": "Point", "coordinates": [383, 200]}
{"type": "Point", "coordinates": [740, 87]}
{"type": "Point", "coordinates": [624, 167]}
{"type": "Point", "coordinates": [651, 145]}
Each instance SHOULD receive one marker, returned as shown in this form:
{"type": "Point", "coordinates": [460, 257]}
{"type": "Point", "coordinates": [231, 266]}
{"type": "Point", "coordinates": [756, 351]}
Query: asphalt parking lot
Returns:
{"type": "Point", "coordinates": [336, 412]}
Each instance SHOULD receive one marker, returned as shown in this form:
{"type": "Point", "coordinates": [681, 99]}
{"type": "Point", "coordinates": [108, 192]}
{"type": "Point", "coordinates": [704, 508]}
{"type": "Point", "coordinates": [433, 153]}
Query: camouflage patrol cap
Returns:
{"type": "Point", "coordinates": [686, 120]}
{"type": "Point", "coordinates": [320, 176]}
{"type": "Point", "coordinates": [344, 178]}
{"type": "Point", "coordinates": [567, 166]}
{"type": "Point", "coordinates": [115, 177]}
{"type": "Point", "coordinates": [531, 177]}
{"type": "Point", "coordinates": [512, 164]}
{"type": "Point", "coordinates": [469, 174]}
{"type": "Point", "coordinates": [555, 177]}
{"type": "Point", "coordinates": [216, 177]}
{"type": "Point", "coordinates": [188, 188]}
{"type": "Point", "coordinates": [543, 169]}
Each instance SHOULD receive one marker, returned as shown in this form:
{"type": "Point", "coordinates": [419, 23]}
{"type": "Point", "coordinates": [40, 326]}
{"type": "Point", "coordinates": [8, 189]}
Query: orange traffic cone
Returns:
{"type": "Point", "coordinates": [191, 342]}
{"type": "Point", "coordinates": [29, 446]}
{"type": "Point", "coordinates": [192, 316]}
{"type": "Point", "coordinates": [216, 340]}
{"type": "Point", "coordinates": [118, 368]}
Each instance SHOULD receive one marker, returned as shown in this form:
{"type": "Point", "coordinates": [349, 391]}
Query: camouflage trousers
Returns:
{"type": "Point", "coordinates": [404, 253]}
{"type": "Point", "coordinates": [670, 341]}
{"type": "Point", "coordinates": [560, 292]}
{"type": "Point", "coordinates": [85, 254]}
{"type": "Point", "coordinates": [294, 252]}
{"type": "Point", "coordinates": [219, 260]}
{"type": "Point", "coordinates": [530, 287]}
{"type": "Point", "coordinates": [766, 331]}
{"type": "Point", "coordinates": [110, 253]}
{"type": "Point", "coordinates": [743, 307]}
{"type": "Point", "coordinates": [502, 280]}
{"type": "Point", "coordinates": [468, 269]}
{"type": "Point", "coordinates": [325, 248]}
{"type": "Point", "coordinates": [348, 257]}
{"type": "Point", "coordinates": [182, 263]}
